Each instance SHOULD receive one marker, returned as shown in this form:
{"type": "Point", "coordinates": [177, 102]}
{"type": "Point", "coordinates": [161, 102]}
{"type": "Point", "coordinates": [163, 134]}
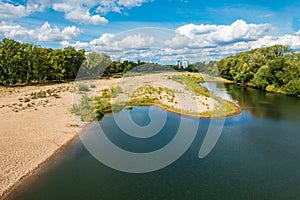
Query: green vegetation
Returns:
{"type": "Point", "coordinates": [115, 91]}
{"type": "Point", "coordinates": [192, 81]}
{"type": "Point", "coordinates": [83, 87]}
{"type": "Point", "coordinates": [95, 108]}
{"type": "Point", "coordinates": [35, 99]}
{"type": "Point", "coordinates": [84, 109]}
{"type": "Point", "coordinates": [93, 86]}
{"type": "Point", "coordinates": [26, 63]}
{"type": "Point", "coordinates": [273, 69]}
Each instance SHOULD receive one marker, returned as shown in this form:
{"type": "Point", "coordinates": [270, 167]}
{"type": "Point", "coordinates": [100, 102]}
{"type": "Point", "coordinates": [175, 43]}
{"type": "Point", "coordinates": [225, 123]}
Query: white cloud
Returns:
{"type": "Point", "coordinates": [199, 36]}
{"type": "Point", "coordinates": [194, 42]}
{"type": "Point", "coordinates": [85, 17]}
{"type": "Point", "coordinates": [108, 6]}
{"type": "Point", "coordinates": [103, 40]}
{"type": "Point", "coordinates": [62, 7]}
{"type": "Point", "coordinates": [131, 3]}
{"type": "Point", "coordinates": [9, 11]}
{"type": "Point", "coordinates": [130, 46]}
{"type": "Point", "coordinates": [239, 31]}
{"type": "Point", "coordinates": [45, 33]}
{"type": "Point", "coordinates": [80, 11]}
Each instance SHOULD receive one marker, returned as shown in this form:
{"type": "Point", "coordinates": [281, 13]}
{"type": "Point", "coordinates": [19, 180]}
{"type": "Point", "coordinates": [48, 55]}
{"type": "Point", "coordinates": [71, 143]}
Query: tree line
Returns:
{"type": "Point", "coordinates": [23, 63]}
{"type": "Point", "coordinates": [27, 63]}
{"type": "Point", "coordinates": [274, 69]}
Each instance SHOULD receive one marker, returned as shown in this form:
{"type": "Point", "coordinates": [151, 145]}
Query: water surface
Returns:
{"type": "Point", "coordinates": [257, 157]}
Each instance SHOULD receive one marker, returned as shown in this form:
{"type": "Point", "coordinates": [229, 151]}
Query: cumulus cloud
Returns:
{"type": "Point", "coordinates": [130, 46]}
{"type": "Point", "coordinates": [80, 11]}
{"type": "Point", "coordinates": [193, 42]}
{"type": "Point", "coordinates": [45, 33]}
{"type": "Point", "coordinates": [198, 36]}
{"type": "Point", "coordinates": [108, 42]}
{"type": "Point", "coordinates": [239, 31]}
{"type": "Point", "coordinates": [85, 17]}
{"type": "Point", "coordinates": [131, 3]}
{"type": "Point", "coordinates": [9, 11]}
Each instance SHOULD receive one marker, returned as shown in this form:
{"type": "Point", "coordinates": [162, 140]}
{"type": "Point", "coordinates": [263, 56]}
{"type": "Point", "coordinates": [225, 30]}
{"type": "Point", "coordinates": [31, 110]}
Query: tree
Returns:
{"type": "Point", "coordinates": [95, 65]}
{"type": "Point", "coordinates": [262, 77]}
{"type": "Point", "coordinates": [293, 87]}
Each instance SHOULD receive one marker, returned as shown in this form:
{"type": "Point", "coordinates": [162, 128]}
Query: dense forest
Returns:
{"type": "Point", "coordinates": [27, 63]}
{"type": "Point", "coordinates": [273, 69]}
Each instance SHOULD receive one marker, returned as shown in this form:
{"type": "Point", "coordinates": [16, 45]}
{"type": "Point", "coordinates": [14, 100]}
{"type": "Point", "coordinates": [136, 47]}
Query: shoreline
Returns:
{"type": "Point", "coordinates": [32, 134]}
{"type": "Point", "coordinates": [7, 192]}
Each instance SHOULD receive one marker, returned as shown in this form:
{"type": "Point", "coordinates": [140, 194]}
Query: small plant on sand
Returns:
{"type": "Point", "coordinates": [42, 94]}
{"type": "Point", "coordinates": [93, 86]}
{"type": "Point", "coordinates": [83, 87]}
{"type": "Point", "coordinates": [84, 109]}
{"type": "Point", "coordinates": [26, 100]}
{"type": "Point", "coordinates": [116, 90]}
{"type": "Point", "coordinates": [56, 96]}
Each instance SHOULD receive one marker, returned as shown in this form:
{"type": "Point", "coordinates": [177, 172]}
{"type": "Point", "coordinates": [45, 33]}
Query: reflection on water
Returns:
{"type": "Point", "coordinates": [265, 105]}
{"type": "Point", "coordinates": [218, 89]}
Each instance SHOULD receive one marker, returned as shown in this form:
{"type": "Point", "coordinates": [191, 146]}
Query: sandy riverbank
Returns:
{"type": "Point", "coordinates": [36, 120]}
{"type": "Point", "coordinates": [32, 130]}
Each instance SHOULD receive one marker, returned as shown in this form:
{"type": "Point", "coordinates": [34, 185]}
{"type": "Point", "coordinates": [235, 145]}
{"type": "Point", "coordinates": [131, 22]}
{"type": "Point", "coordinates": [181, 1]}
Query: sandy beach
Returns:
{"type": "Point", "coordinates": [31, 132]}
{"type": "Point", "coordinates": [36, 121]}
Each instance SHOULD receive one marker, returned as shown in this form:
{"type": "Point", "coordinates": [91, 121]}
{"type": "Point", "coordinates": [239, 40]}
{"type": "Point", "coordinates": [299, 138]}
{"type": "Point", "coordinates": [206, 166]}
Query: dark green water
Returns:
{"type": "Point", "coordinates": [256, 157]}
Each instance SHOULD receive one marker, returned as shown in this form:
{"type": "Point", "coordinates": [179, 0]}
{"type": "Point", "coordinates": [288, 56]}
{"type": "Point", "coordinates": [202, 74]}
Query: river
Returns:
{"type": "Point", "coordinates": [256, 157]}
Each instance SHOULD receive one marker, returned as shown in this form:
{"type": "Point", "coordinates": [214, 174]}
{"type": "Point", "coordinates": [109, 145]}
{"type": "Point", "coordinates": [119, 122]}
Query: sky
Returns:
{"type": "Point", "coordinates": [160, 31]}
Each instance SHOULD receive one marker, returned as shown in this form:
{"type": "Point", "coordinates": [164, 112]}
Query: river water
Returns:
{"type": "Point", "coordinates": [256, 157]}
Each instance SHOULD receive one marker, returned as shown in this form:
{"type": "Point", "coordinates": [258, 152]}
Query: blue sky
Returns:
{"type": "Point", "coordinates": [193, 29]}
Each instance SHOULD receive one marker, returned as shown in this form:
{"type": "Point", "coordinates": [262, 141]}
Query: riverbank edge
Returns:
{"type": "Point", "coordinates": [5, 194]}
{"type": "Point", "coordinates": [249, 85]}
{"type": "Point", "coordinates": [237, 111]}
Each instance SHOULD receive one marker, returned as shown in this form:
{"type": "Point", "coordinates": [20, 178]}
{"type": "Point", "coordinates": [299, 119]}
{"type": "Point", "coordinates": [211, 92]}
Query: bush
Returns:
{"type": "Point", "coordinates": [116, 90]}
{"type": "Point", "coordinates": [83, 87]}
{"type": "Point", "coordinates": [293, 87]}
{"type": "Point", "coordinates": [93, 86]}
{"type": "Point", "coordinates": [271, 88]}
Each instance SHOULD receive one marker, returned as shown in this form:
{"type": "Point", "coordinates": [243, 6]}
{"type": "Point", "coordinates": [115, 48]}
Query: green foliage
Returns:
{"type": "Point", "coordinates": [83, 87]}
{"type": "Point", "coordinates": [271, 88]}
{"type": "Point", "coordinates": [262, 78]}
{"type": "Point", "coordinates": [293, 87]}
{"type": "Point", "coordinates": [26, 63]}
{"type": "Point", "coordinates": [84, 109]}
{"type": "Point", "coordinates": [116, 90]}
{"type": "Point", "coordinates": [93, 86]}
{"type": "Point", "coordinates": [94, 65]}
{"type": "Point", "coordinates": [268, 68]}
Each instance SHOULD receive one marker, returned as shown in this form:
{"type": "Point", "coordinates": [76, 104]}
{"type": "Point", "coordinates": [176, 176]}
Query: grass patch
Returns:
{"type": "Point", "coordinates": [95, 108]}
{"type": "Point", "coordinates": [115, 91]}
{"type": "Point", "coordinates": [83, 87]}
{"type": "Point", "coordinates": [93, 86]}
